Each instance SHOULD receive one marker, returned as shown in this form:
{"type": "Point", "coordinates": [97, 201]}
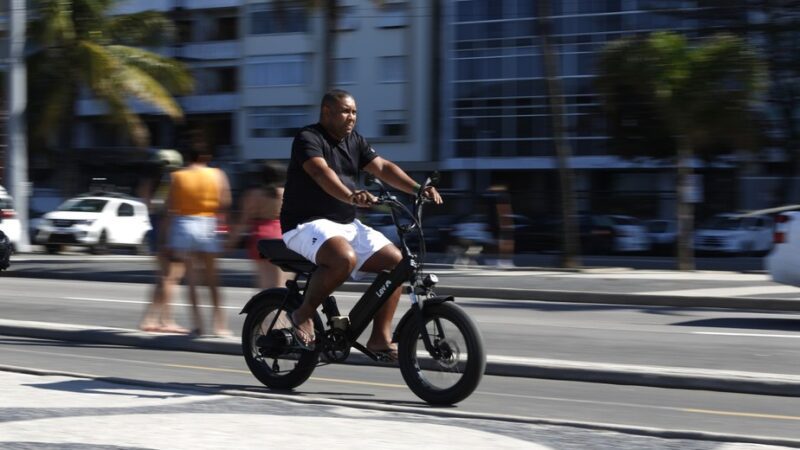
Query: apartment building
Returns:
{"type": "Point", "coordinates": [498, 123]}
{"type": "Point", "coordinates": [259, 73]}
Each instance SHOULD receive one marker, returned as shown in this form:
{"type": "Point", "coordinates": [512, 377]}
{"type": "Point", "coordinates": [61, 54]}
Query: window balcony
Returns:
{"type": "Point", "coordinates": [191, 104]}
{"type": "Point", "coordinates": [132, 6]}
{"type": "Point", "coordinates": [207, 103]}
{"type": "Point", "coordinates": [208, 50]}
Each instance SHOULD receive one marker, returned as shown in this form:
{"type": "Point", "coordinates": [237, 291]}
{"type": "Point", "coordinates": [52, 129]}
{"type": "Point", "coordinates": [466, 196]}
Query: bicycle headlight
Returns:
{"type": "Point", "coordinates": [430, 280]}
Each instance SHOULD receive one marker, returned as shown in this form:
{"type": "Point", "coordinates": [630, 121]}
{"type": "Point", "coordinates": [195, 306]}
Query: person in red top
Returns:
{"type": "Point", "coordinates": [318, 214]}
{"type": "Point", "coordinates": [259, 212]}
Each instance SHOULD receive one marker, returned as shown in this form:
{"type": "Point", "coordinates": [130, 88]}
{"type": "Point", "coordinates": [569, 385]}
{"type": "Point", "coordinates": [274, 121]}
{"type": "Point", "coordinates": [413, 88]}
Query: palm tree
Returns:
{"type": "Point", "coordinates": [698, 95]}
{"type": "Point", "coordinates": [78, 44]}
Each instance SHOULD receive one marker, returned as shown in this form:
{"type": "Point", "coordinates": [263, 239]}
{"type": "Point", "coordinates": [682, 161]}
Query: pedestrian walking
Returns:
{"type": "Point", "coordinates": [259, 218]}
{"type": "Point", "coordinates": [153, 191]}
{"type": "Point", "coordinates": [198, 197]}
{"type": "Point", "coordinates": [501, 225]}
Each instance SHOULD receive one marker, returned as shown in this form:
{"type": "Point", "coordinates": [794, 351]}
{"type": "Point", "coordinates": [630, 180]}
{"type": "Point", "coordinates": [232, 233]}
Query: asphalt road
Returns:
{"type": "Point", "coordinates": [641, 335]}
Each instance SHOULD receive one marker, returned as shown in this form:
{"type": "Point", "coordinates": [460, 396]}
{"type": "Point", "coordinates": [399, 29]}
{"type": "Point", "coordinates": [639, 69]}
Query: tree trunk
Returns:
{"type": "Point", "coordinates": [685, 209]}
{"type": "Point", "coordinates": [570, 237]}
{"type": "Point", "coordinates": [329, 44]}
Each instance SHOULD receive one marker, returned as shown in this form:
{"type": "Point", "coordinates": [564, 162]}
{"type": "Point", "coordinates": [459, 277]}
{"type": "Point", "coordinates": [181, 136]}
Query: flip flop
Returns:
{"type": "Point", "coordinates": [302, 339]}
{"type": "Point", "coordinates": [385, 355]}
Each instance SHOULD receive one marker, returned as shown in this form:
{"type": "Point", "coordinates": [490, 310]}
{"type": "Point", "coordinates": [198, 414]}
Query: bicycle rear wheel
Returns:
{"type": "Point", "coordinates": [457, 368]}
{"type": "Point", "coordinates": [275, 367]}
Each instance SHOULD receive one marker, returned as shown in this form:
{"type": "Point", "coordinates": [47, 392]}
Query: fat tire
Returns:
{"type": "Point", "coordinates": [305, 365]}
{"type": "Point", "coordinates": [474, 367]}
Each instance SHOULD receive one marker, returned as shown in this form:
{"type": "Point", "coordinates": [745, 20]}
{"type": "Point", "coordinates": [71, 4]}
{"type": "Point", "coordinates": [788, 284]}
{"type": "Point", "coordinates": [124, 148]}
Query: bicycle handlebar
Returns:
{"type": "Point", "coordinates": [385, 198]}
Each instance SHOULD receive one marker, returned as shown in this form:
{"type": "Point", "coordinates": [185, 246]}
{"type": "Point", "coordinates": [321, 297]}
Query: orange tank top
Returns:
{"type": "Point", "coordinates": [195, 192]}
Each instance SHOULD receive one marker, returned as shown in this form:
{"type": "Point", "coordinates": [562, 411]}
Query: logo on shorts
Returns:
{"type": "Point", "coordinates": [313, 241]}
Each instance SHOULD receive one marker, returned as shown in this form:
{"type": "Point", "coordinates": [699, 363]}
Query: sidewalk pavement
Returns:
{"type": "Point", "coordinates": [710, 289]}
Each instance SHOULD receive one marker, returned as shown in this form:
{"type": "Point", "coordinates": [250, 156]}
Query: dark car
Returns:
{"type": "Point", "coordinates": [5, 251]}
{"type": "Point", "coordinates": [545, 234]}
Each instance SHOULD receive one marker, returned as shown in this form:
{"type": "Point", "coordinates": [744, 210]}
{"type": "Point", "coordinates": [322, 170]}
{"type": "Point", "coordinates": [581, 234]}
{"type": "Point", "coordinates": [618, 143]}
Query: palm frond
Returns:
{"type": "Point", "coordinates": [54, 25]}
{"type": "Point", "coordinates": [129, 121]}
{"type": "Point", "coordinates": [148, 28]}
{"type": "Point", "coordinates": [113, 79]}
{"type": "Point", "coordinates": [172, 74]}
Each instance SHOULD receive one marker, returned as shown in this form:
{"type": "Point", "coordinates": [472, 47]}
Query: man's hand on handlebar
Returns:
{"type": "Point", "coordinates": [432, 194]}
{"type": "Point", "coordinates": [362, 198]}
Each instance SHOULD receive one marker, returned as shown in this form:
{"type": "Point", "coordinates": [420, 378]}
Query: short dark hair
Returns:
{"type": "Point", "coordinates": [197, 144]}
{"type": "Point", "coordinates": [333, 97]}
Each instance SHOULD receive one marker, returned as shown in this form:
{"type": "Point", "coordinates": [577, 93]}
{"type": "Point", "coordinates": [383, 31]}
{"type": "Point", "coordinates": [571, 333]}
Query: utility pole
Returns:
{"type": "Point", "coordinates": [17, 88]}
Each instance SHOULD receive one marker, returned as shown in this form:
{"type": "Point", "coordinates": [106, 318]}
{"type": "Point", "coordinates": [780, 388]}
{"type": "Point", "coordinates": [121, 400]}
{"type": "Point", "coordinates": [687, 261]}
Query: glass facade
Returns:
{"type": "Point", "coordinates": [497, 95]}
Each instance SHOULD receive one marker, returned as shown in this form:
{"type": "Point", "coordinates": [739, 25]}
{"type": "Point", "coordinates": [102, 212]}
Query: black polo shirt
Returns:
{"type": "Point", "coordinates": [303, 199]}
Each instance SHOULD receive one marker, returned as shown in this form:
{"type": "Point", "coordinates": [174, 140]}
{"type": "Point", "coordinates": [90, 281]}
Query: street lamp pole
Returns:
{"type": "Point", "coordinates": [17, 156]}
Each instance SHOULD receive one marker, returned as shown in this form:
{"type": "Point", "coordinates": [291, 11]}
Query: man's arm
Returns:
{"type": "Point", "coordinates": [326, 178]}
{"type": "Point", "coordinates": [391, 173]}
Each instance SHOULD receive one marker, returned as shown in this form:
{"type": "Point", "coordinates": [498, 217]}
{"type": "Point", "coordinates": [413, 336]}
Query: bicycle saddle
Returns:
{"type": "Point", "coordinates": [276, 252]}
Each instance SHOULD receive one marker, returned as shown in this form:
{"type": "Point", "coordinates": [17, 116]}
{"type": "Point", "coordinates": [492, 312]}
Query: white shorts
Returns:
{"type": "Point", "coordinates": [308, 237]}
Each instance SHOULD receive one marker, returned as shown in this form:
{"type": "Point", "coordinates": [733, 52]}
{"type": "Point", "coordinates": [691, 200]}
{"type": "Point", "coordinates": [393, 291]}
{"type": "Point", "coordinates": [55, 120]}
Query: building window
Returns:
{"type": "Point", "coordinates": [227, 29]}
{"type": "Point", "coordinates": [348, 19]}
{"type": "Point", "coordinates": [393, 69]}
{"type": "Point", "coordinates": [264, 19]}
{"type": "Point", "coordinates": [276, 70]}
{"type": "Point", "coordinates": [215, 80]}
{"type": "Point", "coordinates": [345, 70]}
{"type": "Point", "coordinates": [393, 123]}
{"type": "Point", "coordinates": [276, 121]}
{"type": "Point", "coordinates": [393, 15]}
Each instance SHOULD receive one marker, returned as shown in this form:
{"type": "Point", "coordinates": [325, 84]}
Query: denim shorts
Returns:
{"type": "Point", "coordinates": [308, 237]}
{"type": "Point", "coordinates": [194, 234]}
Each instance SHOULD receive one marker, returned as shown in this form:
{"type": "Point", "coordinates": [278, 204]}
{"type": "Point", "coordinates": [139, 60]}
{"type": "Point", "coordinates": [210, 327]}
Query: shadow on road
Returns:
{"type": "Point", "coordinates": [748, 323]}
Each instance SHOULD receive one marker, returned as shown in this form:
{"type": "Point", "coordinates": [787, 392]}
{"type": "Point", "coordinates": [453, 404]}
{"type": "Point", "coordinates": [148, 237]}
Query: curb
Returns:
{"type": "Point", "coordinates": [656, 376]}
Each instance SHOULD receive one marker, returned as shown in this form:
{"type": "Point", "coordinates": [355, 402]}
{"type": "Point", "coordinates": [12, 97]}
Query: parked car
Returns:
{"type": "Point", "coordinates": [783, 262]}
{"type": "Point", "coordinates": [9, 223]}
{"type": "Point", "coordinates": [97, 221]}
{"type": "Point", "coordinates": [595, 232]}
{"type": "Point", "coordinates": [630, 235]}
{"type": "Point", "coordinates": [735, 234]}
{"type": "Point", "coordinates": [663, 235]}
{"type": "Point", "coordinates": [5, 251]}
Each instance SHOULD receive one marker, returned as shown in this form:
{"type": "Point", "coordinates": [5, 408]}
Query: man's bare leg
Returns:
{"type": "Point", "coordinates": [384, 259]}
{"type": "Point", "coordinates": [335, 260]}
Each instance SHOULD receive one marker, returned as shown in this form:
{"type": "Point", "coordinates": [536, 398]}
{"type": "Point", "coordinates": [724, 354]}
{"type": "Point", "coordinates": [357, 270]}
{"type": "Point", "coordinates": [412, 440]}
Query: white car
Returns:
{"type": "Point", "coordinates": [97, 222]}
{"type": "Point", "coordinates": [735, 234]}
{"type": "Point", "coordinates": [783, 262]}
{"type": "Point", "coordinates": [662, 233]}
{"type": "Point", "coordinates": [629, 234]}
{"type": "Point", "coordinates": [9, 223]}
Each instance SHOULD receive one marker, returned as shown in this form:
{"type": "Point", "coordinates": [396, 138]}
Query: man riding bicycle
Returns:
{"type": "Point", "coordinates": [318, 216]}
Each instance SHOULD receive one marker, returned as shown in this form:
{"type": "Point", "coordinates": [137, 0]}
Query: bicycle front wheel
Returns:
{"type": "Point", "coordinates": [275, 368]}
{"type": "Point", "coordinates": [455, 367]}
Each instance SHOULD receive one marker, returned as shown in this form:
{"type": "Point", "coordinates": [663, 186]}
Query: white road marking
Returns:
{"type": "Point", "coordinates": [717, 333]}
{"type": "Point", "coordinates": [140, 302]}
{"type": "Point", "coordinates": [726, 292]}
